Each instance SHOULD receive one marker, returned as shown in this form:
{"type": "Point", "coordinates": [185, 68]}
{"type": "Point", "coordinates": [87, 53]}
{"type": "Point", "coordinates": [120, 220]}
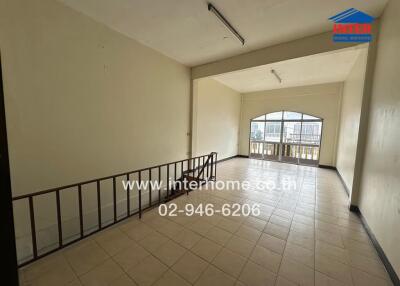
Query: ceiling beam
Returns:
{"type": "Point", "coordinates": [316, 44]}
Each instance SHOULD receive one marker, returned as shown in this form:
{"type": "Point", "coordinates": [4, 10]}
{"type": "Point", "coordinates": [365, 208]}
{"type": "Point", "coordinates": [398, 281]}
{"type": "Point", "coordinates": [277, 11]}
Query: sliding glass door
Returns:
{"type": "Point", "coordinates": [286, 136]}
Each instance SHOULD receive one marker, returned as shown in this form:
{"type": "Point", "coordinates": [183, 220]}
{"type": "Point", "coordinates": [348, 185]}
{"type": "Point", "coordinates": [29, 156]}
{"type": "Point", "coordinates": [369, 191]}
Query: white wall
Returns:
{"type": "Point", "coordinates": [216, 115]}
{"type": "Point", "coordinates": [319, 100]}
{"type": "Point", "coordinates": [379, 198]}
{"type": "Point", "coordinates": [352, 97]}
{"type": "Point", "coordinates": [83, 101]}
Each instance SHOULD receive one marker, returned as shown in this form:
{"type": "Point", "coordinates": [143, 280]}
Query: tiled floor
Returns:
{"type": "Point", "coordinates": [303, 236]}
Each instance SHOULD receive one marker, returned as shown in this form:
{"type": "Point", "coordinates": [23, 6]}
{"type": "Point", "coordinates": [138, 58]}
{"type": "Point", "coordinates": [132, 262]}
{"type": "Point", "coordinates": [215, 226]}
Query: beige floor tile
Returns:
{"type": "Point", "coordinates": [169, 253]}
{"type": "Point", "coordinates": [190, 267]}
{"type": "Point", "coordinates": [362, 278]}
{"type": "Point", "coordinates": [73, 283]}
{"type": "Point", "coordinates": [147, 272]}
{"type": "Point", "coordinates": [153, 241]}
{"type": "Point", "coordinates": [255, 275]}
{"type": "Point", "coordinates": [206, 249]}
{"type": "Point", "coordinates": [281, 281]}
{"type": "Point", "coordinates": [229, 262]}
{"type": "Point", "coordinates": [305, 211]}
{"type": "Point", "coordinates": [334, 269]}
{"type": "Point", "coordinates": [349, 234]}
{"type": "Point", "coordinates": [130, 223]}
{"type": "Point", "coordinates": [249, 233]}
{"type": "Point", "coordinates": [297, 272]}
{"type": "Point", "coordinates": [266, 258]}
{"type": "Point", "coordinates": [103, 274]}
{"type": "Point", "coordinates": [170, 229]}
{"type": "Point", "coordinates": [272, 243]}
{"type": "Point", "coordinates": [370, 266]}
{"type": "Point", "coordinates": [365, 249]}
{"type": "Point", "coordinates": [277, 220]}
{"type": "Point", "coordinates": [228, 225]}
{"type": "Point", "coordinates": [171, 279]}
{"type": "Point", "coordinates": [218, 235]}
{"type": "Point", "coordinates": [136, 231]}
{"type": "Point", "coordinates": [324, 280]}
{"type": "Point", "coordinates": [187, 238]}
{"type": "Point", "coordinates": [48, 271]}
{"type": "Point", "coordinates": [328, 237]}
{"type": "Point", "coordinates": [127, 258]}
{"type": "Point", "coordinates": [113, 240]}
{"type": "Point", "coordinates": [240, 246]}
{"type": "Point", "coordinates": [85, 255]}
{"type": "Point", "coordinates": [303, 219]}
{"type": "Point", "coordinates": [331, 251]}
{"type": "Point", "coordinates": [214, 219]}
{"type": "Point", "coordinates": [283, 213]}
{"type": "Point", "coordinates": [328, 227]}
{"type": "Point", "coordinates": [302, 228]}
{"type": "Point", "coordinates": [214, 276]}
{"type": "Point", "coordinates": [305, 240]}
{"type": "Point", "coordinates": [154, 220]}
{"type": "Point", "coordinates": [255, 223]}
{"type": "Point", "coordinates": [299, 254]}
{"type": "Point", "coordinates": [277, 231]}
{"type": "Point", "coordinates": [201, 227]}
{"type": "Point", "coordinates": [124, 280]}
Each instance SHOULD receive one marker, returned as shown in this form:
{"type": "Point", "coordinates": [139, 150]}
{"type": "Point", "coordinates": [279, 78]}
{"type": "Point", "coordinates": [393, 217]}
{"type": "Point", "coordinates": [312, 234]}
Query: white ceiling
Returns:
{"type": "Point", "coordinates": [187, 32]}
{"type": "Point", "coordinates": [315, 69]}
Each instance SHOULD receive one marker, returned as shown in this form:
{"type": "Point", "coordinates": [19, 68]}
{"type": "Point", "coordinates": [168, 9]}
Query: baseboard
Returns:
{"type": "Point", "coordinates": [232, 157]}
{"type": "Point", "coordinates": [344, 184]}
{"type": "Point", "coordinates": [226, 159]}
{"type": "Point", "coordinates": [354, 209]}
{"type": "Point", "coordinates": [242, 156]}
{"type": "Point", "coordinates": [327, 167]}
{"type": "Point", "coordinates": [389, 268]}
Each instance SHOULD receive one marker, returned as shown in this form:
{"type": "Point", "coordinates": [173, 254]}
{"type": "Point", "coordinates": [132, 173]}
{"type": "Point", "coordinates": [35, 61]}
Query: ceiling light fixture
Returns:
{"type": "Point", "coordinates": [276, 75]}
{"type": "Point", "coordinates": [225, 22]}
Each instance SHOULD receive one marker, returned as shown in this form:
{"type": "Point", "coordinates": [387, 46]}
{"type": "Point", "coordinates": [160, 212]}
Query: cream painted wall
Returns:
{"type": "Point", "coordinates": [83, 101]}
{"type": "Point", "coordinates": [216, 115]}
{"type": "Point", "coordinates": [319, 100]}
{"type": "Point", "coordinates": [379, 198]}
{"type": "Point", "coordinates": [352, 97]}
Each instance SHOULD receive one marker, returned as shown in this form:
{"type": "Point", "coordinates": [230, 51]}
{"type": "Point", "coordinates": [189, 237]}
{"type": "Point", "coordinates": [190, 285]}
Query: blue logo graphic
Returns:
{"type": "Point", "coordinates": [352, 25]}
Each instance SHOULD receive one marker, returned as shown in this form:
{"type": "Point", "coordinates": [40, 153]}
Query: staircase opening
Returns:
{"type": "Point", "coordinates": [171, 179]}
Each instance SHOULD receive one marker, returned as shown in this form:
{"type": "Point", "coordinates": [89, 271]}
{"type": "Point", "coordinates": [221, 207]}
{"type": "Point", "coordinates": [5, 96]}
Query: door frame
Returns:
{"type": "Point", "coordinates": [7, 237]}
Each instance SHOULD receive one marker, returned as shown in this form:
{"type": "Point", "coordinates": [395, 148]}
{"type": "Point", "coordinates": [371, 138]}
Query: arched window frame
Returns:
{"type": "Point", "coordinates": [282, 120]}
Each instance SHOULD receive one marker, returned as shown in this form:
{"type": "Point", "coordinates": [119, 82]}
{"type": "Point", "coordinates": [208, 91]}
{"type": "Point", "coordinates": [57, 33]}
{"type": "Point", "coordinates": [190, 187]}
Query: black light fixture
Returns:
{"type": "Point", "coordinates": [225, 22]}
{"type": "Point", "coordinates": [276, 75]}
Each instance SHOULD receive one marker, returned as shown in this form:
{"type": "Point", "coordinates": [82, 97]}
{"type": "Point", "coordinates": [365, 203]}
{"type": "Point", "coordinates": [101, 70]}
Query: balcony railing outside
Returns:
{"type": "Point", "coordinates": [273, 150]}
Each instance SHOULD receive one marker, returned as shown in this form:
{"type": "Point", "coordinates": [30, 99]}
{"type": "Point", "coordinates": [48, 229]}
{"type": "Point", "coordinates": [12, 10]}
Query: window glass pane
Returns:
{"type": "Point", "coordinates": [311, 133]}
{"type": "Point", "coordinates": [306, 116]}
{"type": "Point", "coordinates": [291, 132]}
{"type": "Point", "coordinates": [274, 116]}
{"type": "Point", "coordinates": [291, 115]}
{"type": "Point", "coordinates": [257, 131]}
{"type": "Point", "coordinates": [262, 117]}
{"type": "Point", "coordinates": [273, 132]}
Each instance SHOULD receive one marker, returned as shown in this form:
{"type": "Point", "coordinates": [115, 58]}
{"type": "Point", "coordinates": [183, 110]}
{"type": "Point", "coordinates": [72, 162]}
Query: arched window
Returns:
{"type": "Point", "coordinates": [286, 136]}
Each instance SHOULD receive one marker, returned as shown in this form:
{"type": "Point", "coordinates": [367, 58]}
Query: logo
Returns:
{"type": "Point", "coordinates": [352, 26]}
